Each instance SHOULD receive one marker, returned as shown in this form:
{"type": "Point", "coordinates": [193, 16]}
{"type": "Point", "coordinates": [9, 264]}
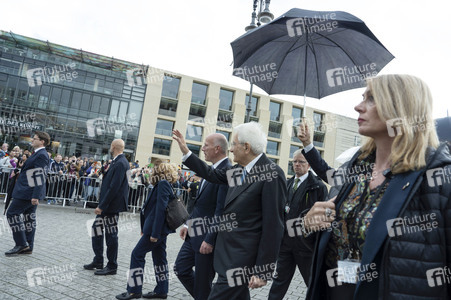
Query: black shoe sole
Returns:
{"type": "Point", "coordinates": [23, 251]}
{"type": "Point", "coordinates": [103, 274]}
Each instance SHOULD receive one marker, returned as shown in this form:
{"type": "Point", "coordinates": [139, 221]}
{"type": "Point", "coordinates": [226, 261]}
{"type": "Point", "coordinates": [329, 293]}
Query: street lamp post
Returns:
{"type": "Point", "coordinates": [264, 16]}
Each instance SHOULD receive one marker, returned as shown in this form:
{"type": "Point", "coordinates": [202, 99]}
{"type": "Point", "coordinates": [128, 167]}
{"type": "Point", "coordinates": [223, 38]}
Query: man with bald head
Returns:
{"type": "Point", "coordinates": [197, 250]}
{"type": "Point", "coordinates": [113, 200]}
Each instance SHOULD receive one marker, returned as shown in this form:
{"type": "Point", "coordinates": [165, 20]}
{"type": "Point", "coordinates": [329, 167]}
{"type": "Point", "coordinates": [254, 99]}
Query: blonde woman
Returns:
{"type": "Point", "coordinates": [154, 231]}
{"type": "Point", "coordinates": [386, 235]}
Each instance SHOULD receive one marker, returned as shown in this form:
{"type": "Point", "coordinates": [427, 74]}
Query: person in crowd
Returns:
{"type": "Point", "coordinates": [72, 177]}
{"type": "Point", "coordinates": [154, 232]}
{"type": "Point", "coordinates": [374, 247]}
{"type": "Point", "coordinates": [94, 178]}
{"type": "Point", "coordinates": [5, 168]}
{"type": "Point", "coordinates": [21, 214]}
{"type": "Point", "coordinates": [245, 256]}
{"type": "Point", "coordinates": [192, 192]}
{"type": "Point", "coordinates": [13, 178]}
{"type": "Point", "coordinates": [56, 182]}
{"type": "Point", "coordinates": [113, 200]}
{"type": "Point", "coordinates": [4, 148]}
{"type": "Point", "coordinates": [197, 250]}
{"type": "Point", "coordinates": [304, 189]}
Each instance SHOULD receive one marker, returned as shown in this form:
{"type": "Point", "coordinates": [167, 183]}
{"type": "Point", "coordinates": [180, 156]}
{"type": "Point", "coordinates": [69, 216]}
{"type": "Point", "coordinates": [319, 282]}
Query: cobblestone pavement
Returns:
{"type": "Point", "coordinates": [63, 246]}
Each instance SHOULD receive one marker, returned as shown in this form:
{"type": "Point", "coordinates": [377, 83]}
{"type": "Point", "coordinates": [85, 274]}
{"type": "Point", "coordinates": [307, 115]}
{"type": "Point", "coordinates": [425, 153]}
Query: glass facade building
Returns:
{"type": "Point", "coordinates": [81, 99]}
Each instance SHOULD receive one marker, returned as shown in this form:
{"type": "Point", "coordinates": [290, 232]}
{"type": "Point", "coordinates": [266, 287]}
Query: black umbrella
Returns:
{"type": "Point", "coordinates": [309, 53]}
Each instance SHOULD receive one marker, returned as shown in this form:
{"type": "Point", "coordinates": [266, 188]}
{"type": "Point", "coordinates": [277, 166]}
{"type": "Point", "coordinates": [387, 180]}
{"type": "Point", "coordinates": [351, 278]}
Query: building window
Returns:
{"type": "Point", "coordinates": [272, 148]}
{"type": "Point", "coordinates": [254, 107]}
{"type": "Point", "coordinates": [275, 129]}
{"type": "Point", "coordinates": [318, 132]}
{"type": "Point", "coordinates": [197, 112]}
{"type": "Point", "coordinates": [169, 94]}
{"type": "Point", "coordinates": [274, 160]}
{"type": "Point", "coordinates": [168, 107]}
{"type": "Point", "coordinates": [290, 168]}
{"type": "Point", "coordinates": [194, 148]}
{"type": "Point", "coordinates": [224, 133]}
{"type": "Point", "coordinates": [225, 100]}
{"type": "Point", "coordinates": [199, 93]}
{"type": "Point", "coordinates": [293, 148]}
{"type": "Point", "coordinates": [161, 146]}
{"type": "Point", "coordinates": [225, 119]}
{"type": "Point", "coordinates": [170, 87]}
{"type": "Point", "coordinates": [164, 127]}
{"type": "Point", "coordinates": [194, 132]}
{"type": "Point", "coordinates": [274, 109]}
{"type": "Point", "coordinates": [296, 113]}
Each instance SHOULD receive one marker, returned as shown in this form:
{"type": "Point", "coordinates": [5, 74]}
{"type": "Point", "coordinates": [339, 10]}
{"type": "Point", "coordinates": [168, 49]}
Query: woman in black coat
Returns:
{"type": "Point", "coordinates": [154, 231]}
{"type": "Point", "coordinates": [387, 234]}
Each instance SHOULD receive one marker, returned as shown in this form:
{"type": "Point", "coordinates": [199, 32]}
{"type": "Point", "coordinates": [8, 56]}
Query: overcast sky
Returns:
{"type": "Point", "coordinates": [193, 37]}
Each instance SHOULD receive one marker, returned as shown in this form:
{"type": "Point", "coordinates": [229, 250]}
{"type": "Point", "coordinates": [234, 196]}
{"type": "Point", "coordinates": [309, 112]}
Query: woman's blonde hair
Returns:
{"type": "Point", "coordinates": [404, 102]}
{"type": "Point", "coordinates": [162, 171]}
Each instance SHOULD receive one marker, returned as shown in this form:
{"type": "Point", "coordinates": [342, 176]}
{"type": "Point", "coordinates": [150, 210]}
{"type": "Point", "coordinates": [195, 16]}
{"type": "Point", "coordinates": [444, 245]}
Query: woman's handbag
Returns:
{"type": "Point", "coordinates": [176, 213]}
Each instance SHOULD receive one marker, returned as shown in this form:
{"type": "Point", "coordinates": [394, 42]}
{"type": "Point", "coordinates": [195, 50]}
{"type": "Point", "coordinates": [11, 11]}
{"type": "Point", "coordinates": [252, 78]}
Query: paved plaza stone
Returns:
{"type": "Point", "coordinates": [63, 246]}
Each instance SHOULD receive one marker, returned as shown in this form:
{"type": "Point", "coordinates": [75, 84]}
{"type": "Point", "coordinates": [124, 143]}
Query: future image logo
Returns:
{"type": "Point", "coordinates": [235, 176]}
{"type": "Point", "coordinates": [438, 176]}
{"type": "Point", "coordinates": [438, 276]}
{"type": "Point", "coordinates": [51, 275]}
{"type": "Point", "coordinates": [315, 24]}
{"type": "Point", "coordinates": [35, 177]}
{"type": "Point", "coordinates": [55, 74]}
{"type": "Point", "coordinates": [350, 75]}
{"type": "Point", "coordinates": [394, 127]}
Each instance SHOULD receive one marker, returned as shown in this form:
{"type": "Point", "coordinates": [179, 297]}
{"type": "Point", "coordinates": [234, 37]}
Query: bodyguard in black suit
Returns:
{"type": "Point", "coordinates": [113, 200]}
{"type": "Point", "coordinates": [304, 189]}
{"type": "Point", "coordinates": [200, 238]}
{"type": "Point", "coordinates": [245, 256]}
{"type": "Point", "coordinates": [29, 189]}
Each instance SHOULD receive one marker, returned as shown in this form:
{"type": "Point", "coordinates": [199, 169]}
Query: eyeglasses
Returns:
{"type": "Point", "coordinates": [299, 162]}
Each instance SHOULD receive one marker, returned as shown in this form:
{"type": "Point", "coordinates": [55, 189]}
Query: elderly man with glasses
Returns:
{"type": "Point", "coordinates": [304, 189]}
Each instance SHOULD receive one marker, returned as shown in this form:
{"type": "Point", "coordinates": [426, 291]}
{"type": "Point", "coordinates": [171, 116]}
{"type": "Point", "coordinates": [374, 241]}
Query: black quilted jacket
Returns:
{"type": "Point", "coordinates": [413, 265]}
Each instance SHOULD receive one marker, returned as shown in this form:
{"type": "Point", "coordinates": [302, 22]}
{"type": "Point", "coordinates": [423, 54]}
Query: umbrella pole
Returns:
{"type": "Point", "coordinates": [249, 105]}
{"type": "Point", "coordinates": [303, 119]}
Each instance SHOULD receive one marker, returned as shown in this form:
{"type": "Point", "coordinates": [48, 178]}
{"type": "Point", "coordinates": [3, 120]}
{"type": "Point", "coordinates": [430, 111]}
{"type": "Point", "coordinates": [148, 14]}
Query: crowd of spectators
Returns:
{"type": "Point", "coordinates": [73, 179]}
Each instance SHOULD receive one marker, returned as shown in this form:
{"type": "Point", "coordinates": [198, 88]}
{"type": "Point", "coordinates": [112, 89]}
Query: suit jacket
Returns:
{"type": "Point", "coordinates": [114, 189]}
{"type": "Point", "coordinates": [209, 202]}
{"type": "Point", "coordinates": [31, 181]}
{"type": "Point", "coordinates": [309, 191]}
{"type": "Point", "coordinates": [153, 213]}
{"type": "Point", "coordinates": [257, 208]}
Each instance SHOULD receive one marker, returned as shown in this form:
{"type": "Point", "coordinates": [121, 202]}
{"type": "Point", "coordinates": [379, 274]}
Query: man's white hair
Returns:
{"type": "Point", "coordinates": [252, 133]}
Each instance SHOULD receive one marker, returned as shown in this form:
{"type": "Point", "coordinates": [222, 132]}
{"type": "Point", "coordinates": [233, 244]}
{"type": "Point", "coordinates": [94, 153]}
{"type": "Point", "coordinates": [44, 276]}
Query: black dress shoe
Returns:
{"type": "Point", "coordinates": [17, 250]}
{"type": "Point", "coordinates": [93, 266]}
{"type": "Point", "coordinates": [127, 295]}
{"type": "Point", "coordinates": [106, 271]}
{"type": "Point", "coordinates": [153, 295]}
{"type": "Point", "coordinates": [29, 251]}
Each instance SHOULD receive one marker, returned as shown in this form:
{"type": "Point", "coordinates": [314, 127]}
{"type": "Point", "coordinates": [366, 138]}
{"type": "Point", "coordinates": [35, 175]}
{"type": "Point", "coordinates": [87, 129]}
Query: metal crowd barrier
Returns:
{"type": "Point", "coordinates": [65, 189]}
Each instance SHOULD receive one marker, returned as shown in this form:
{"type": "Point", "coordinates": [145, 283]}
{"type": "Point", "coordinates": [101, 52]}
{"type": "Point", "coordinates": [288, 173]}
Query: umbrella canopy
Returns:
{"type": "Point", "coordinates": [443, 127]}
{"type": "Point", "coordinates": [309, 53]}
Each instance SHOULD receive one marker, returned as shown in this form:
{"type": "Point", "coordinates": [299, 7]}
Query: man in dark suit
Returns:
{"type": "Point", "coordinates": [245, 256]}
{"type": "Point", "coordinates": [29, 189]}
{"type": "Point", "coordinates": [113, 200]}
{"type": "Point", "coordinates": [304, 189]}
{"type": "Point", "coordinates": [197, 250]}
